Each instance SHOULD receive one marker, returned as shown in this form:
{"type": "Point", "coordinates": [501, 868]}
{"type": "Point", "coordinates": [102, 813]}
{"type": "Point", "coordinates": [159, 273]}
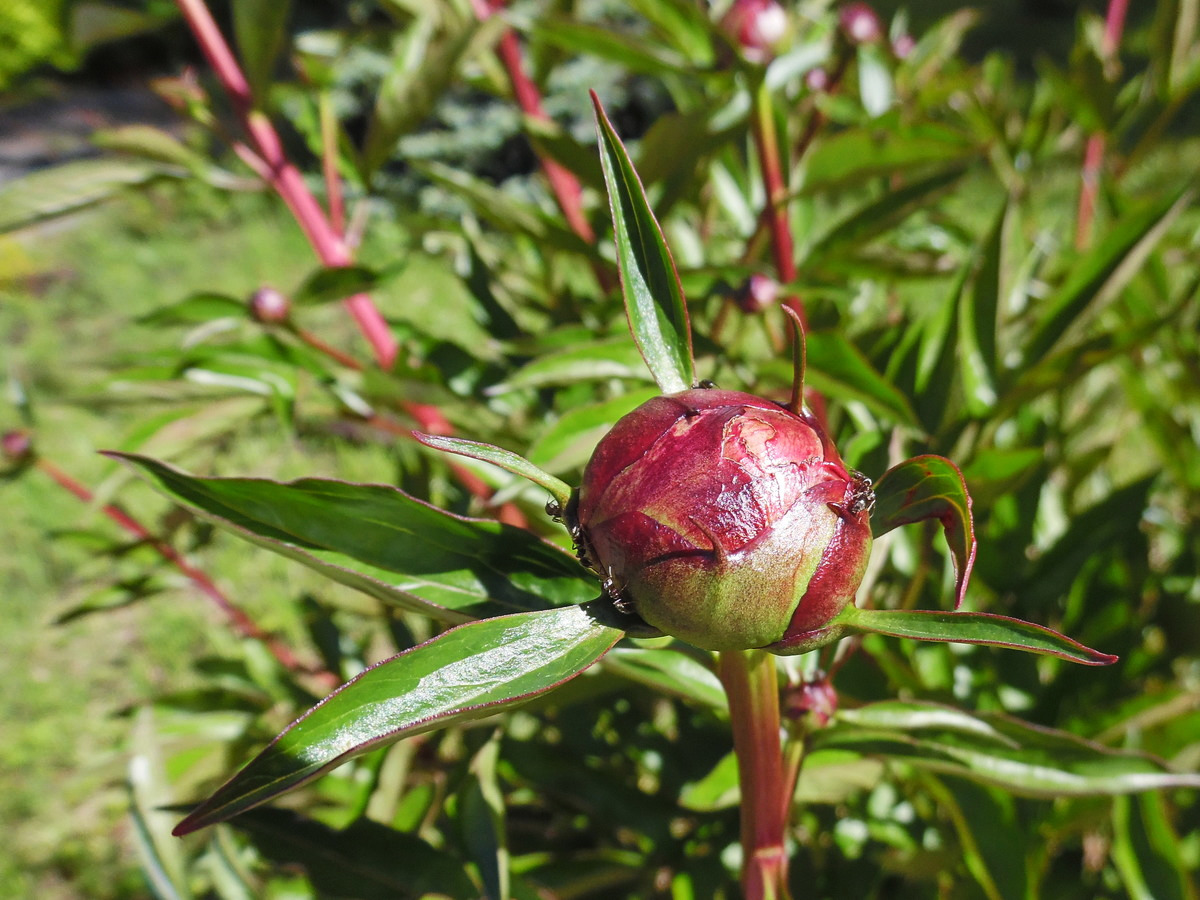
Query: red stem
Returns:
{"type": "Point", "coordinates": [563, 183]}
{"type": "Point", "coordinates": [751, 684]}
{"type": "Point", "coordinates": [783, 248]}
{"type": "Point", "coordinates": [1093, 154]}
{"type": "Point", "coordinates": [283, 176]}
{"type": "Point", "coordinates": [242, 623]}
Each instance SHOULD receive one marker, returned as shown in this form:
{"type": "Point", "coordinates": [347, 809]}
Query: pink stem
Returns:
{"type": "Point", "coordinates": [1093, 154]}
{"type": "Point", "coordinates": [242, 623]}
{"type": "Point", "coordinates": [751, 686]}
{"type": "Point", "coordinates": [283, 176]}
{"type": "Point", "coordinates": [563, 183]}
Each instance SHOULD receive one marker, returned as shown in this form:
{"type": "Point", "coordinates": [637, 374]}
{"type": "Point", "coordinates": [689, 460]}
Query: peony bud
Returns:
{"type": "Point", "coordinates": [757, 26]}
{"type": "Point", "coordinates": [270, 306]}
{"type": "Point", "coordinates": [860, 24]}
{"type": "Point", "coordinates": [757, 293]}
{"type": "Point", "coordinates": [814, 700]}
{"type": "Point", "coordinates": [817, 80]}
{"type": "Point", "coordinates": [16, 446]}
{"type": "Point", "coordinates": [725, 520]}
{"type": "Point", "coordinates": [903, 46]}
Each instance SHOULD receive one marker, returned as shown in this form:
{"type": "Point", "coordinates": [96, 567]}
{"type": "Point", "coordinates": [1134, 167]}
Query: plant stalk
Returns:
{"type": "Point", "coordinates": [1093, 154]}
{"type": "Point", "coordinates": [751, 684]}
{"type": "Point", "coordinates": [783, 248]}
{"type": "Point", "coordinates": [242, 623]}
{"type": "Point", "coordinates": [283, 176]}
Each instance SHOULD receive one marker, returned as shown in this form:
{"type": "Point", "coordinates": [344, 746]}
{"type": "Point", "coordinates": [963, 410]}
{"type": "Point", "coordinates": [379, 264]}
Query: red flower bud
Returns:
{"type": "Point", "coordinates": [756, 26]}
{"type": "Point", "coordinates": [817, 80]}
{"type": "Point", "coordinates": [270, 306]}
{"type": "Point", "coordinates": [860, 24]}
{"type": "Point", "coordinates": [725, 520]}
{"type": "Point", "coordinates": [757, 293]}
{"type": "Point", "coordinates": [903, 46]}
{"type": "Point", "coordinates": [16, 445]}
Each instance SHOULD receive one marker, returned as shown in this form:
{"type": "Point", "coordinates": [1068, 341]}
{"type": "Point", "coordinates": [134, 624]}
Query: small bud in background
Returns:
{"type": "Point", "coordinates": [860, 24]}
{"type": "Point", "coordinates": [903, 46]}
{"type": "Point", "coordinates": [16, 446]}
{"type": "Point", "coordinates": [757, 26]}
{"type": "Point", "coordinates": [270, 306]}
{"type": "Point", "coordinates": [814, 699]}
{"type": "Point", "coordinates": [757, 293]}
{"type": "Point", "coordinates": [817, 80]}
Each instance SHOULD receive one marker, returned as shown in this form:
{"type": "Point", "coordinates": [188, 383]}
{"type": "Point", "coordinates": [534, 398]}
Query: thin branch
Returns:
{"type": "Point", "coordinates": [241, 622]}
{"type": "Point", "coordinates": [1093, 154]}
{"type": "Point", "coordinates": [283, 175]}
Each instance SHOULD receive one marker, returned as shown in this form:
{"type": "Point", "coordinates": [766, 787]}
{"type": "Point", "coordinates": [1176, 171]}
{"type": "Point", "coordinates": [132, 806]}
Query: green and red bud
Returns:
{"type": "Point", "coordinates": [724, 519]}
{"type": "Point", "coordinates": [270, 306]}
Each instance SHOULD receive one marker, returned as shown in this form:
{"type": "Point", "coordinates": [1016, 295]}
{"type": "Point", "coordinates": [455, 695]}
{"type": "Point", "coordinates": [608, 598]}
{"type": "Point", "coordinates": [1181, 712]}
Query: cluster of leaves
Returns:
{"type": "Point", "coordinates": [955, 307]}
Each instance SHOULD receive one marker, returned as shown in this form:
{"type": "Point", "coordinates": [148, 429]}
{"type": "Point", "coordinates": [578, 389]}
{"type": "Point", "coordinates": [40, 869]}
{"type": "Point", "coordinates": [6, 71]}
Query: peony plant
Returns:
{"type": "Point", "coordinates": [722, 519]}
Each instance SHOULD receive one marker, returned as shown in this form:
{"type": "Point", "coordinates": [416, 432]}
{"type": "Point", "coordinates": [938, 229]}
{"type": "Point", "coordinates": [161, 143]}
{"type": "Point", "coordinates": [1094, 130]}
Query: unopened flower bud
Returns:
{"type": "Point", "coordinates": [903, 46]}
{"type": "Point", "coordinates": [756, 26]}
{"type": "Point", "coordinates": [817, 80]}
{"type": "Point", "coordinates": [16, 446]}
{"type": "Point", "coordinates": [270, 306]}
{"type": "Point", "coordinates": [725, 520]}
{"type": "Point", "coordinates": [815, 700]}
{"type": "Point", "coordinates": [860, 24]}
{"type": "Point", "coordinates": [757, 293]}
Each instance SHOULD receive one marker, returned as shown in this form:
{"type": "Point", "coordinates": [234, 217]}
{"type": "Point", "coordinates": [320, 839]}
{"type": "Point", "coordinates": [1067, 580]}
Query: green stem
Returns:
{"type": "Point", "coordinates": [751, 685]}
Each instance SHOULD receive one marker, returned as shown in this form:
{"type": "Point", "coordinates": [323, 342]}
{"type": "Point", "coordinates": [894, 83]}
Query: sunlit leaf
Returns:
{"type": "Point", "coordinates": [969, 628]}
{"type": "Point", "coordinates": [469, 672]}
{"type": "Point", "coordinates": [929, 487]}
{"type": "Point", "coordinates": [505, 459]}
{"type": "Point", "coordinates": [385, 543]}
{"type": "Point", "coordinates": [654, 302]}
{"type": "Point", "coordinates": [1025, 759]}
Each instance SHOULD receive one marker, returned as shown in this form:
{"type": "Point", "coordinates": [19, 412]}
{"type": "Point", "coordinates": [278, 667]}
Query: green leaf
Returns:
{"type": "Point", "coordinates": [364, 860]}
{"type": "Point", "coordinates": [929, 487]}
{"type": "Point", "coordinates": [585, 362]}
{"type": "Point", "coordinates": [385, 543]}
{"type": "Point", "coordinates": [482, 820]}
{"type": "Point", "coordinates": [969, 628]}
{"type": "Point", "coordinates": [498, 207]}
{"type": "Point", "coordinates": [336, 283]}
{"type": "Point", "coordinates": [977, 323]}
{"type": "Point", "coordinates": [835, 367]}
{"type": "Point", "coordinates": [885, 147]}
{"type": "Point", "coordinates": [505, 459]}
{"type": "Point", "coordinates": [670, 671]}
{"type": "Point", "coordinates": [1104, 271]}
{"type": "Point", "coordinates": [72, 186]}
{"type": "Point", "coordinates": [569, 441]}
{"type": "Point", "coordinates": [260, 27]}
{"type": "Point", "coordinates": [989, 832]}
{"type": "Point", "coordinates": [654, 302]}
{"type": "Point", "coordinates": [1146, 850]}
{"type": "Point", "coordinates": [467, 673]}
{"type": "Point", "coordinates": [630, 52]}
{"type": "Point", "coordinates": [875, 87]}
{"type": "Point", "coordinates": [1024, 759]}
{"type": "Point", "coordinates": [884, 212]}
{"type": "Point", "coordinates": [196, 309]}
{"type": "Point", "coordinates": [424, 64]}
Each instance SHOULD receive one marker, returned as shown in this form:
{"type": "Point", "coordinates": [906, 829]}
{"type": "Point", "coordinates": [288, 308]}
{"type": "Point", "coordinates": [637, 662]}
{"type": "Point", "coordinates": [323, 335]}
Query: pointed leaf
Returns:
{"type": "Point", "coordinates": [835, 367]}
{"type": "Point", "coordinates": [469, 672]}
{"type": "Point", "coordinates": [654, 302]}
{"type": "Point", "coordinates": [1022, 758]}
{"type": "Point", "coordinates": [586, 362]}
{"type": "Point", "coordinates": [336, 283]}
{"type": "Point", "coordinates": [970, 628]}
{"type": "Point", "coordinates": [196, 309]}
{"type": "Point", "coordinates": [1104, 271]}
{"type": "Point", "coordinates": [379, 540]}
{"type": "Point", "coordinates": [260, 27]}
{"type": "Point", "coordinates": [1147, 850]}
{"type": "Point", "coordinates": [505, 459]}
{"type": "Point", "coordinates": [671, 671]}
{"type": "Point", "coordinates": [929, 487]}
{"type": "Point", "coordinates": [380, 863]}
